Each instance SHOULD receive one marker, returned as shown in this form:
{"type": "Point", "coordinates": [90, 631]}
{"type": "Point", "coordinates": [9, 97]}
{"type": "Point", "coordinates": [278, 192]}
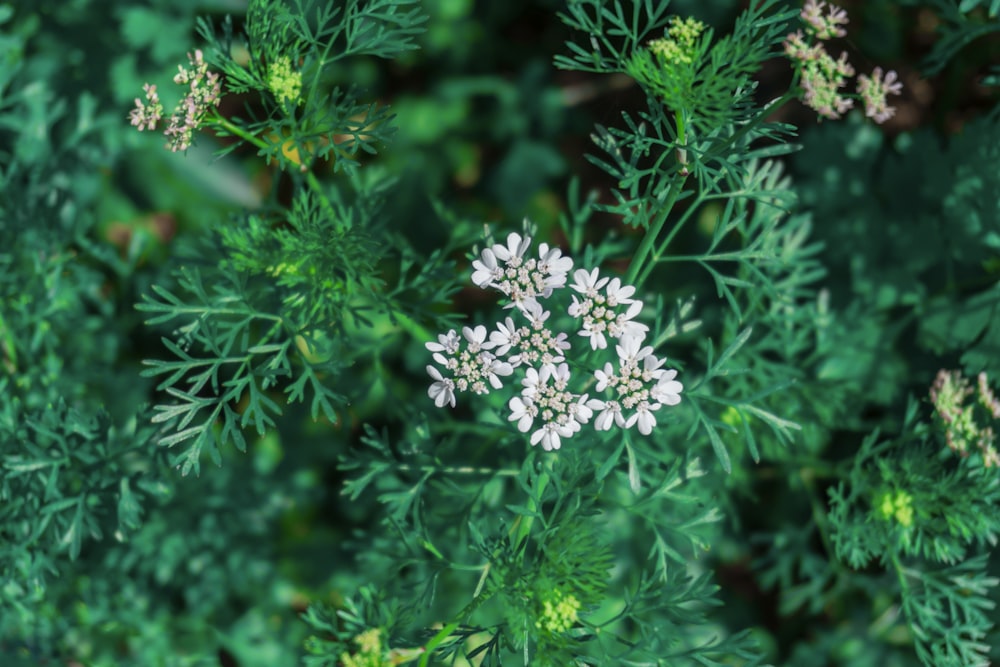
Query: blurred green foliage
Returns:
{"type": "Point", "coordinates": [817, 277]}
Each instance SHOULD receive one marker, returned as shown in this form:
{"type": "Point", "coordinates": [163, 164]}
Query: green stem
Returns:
{"type": "Point", "coordinates": [436, 641]}
{"type": "Point", "coordinates": [238, 131]}
{"type": "Point", "coordinates": [523, 526]}
{"type": "Point", "coordinates": [656, 226]}
{"type": "Point", "coordinates": [639, 259]}
{"type": "Point", "coordinates": [640, 269]}
{"type": "Point", "coordinates": [459, 470]}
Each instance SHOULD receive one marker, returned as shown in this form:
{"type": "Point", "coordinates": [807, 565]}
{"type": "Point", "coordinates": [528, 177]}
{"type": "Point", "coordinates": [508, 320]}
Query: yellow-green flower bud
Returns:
{"type": "Point", "coordinates": [559, 612]}
{"type": "Point", "coordinates": [284, 83]}
{"type": "Point", "coordinates": [896, 505]}
{"type": "Point", "coordinates": [370, 652]}
{"type": "Point", "coordinates": [677, 46]}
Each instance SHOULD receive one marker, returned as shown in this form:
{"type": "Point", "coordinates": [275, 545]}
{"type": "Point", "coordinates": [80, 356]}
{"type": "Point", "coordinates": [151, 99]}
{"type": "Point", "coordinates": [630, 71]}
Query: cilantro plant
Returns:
{"type": "Point", "coordinates": [353, 334]}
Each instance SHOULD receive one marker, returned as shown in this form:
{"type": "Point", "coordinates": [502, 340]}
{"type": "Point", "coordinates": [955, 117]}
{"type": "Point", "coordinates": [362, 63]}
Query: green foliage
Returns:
{"type": "Point", "coordinates": [798, 506]}
{"type": "Point", "coordinates": [960, 24]}
{"type": "Point", "coordinates": [328, 123]}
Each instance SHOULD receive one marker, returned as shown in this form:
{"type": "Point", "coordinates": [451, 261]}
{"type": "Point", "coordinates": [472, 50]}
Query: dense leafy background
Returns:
{"type": "Point", "coordinates": [110, 556]}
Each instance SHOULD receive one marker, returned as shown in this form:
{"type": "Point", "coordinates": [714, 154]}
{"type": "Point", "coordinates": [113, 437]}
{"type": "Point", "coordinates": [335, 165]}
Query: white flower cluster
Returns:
{"type": "Point", "coordinates": [602, 307]}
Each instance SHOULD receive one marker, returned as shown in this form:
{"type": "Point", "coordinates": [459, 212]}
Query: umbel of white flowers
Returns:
{"type": "Point", "coordinates": [626, 394]}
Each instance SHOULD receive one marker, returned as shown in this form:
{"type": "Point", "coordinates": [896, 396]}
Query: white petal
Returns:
{"type": "Point", "coordinates": [646, 422]}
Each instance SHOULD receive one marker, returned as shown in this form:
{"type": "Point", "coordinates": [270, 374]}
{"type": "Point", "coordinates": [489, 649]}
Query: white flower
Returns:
{"type": "Point", "coordinates": [605, 377]}
{"type": "Point", "coordinates": [553, 265]}
{"type": "Point", "coordinates": [506, 336]}
{"type": "Point", "coordinates": [523, 411]}
{"type": "Point", "coordinates": [486, 272]}
{"type": "Point", "coordinates": [668, 390]}
{"type": "Point", "coordinates": [546, 396]}
{"type": "Point", "coordinates": [587, 282]}
{"type": "Point", "coordinates": [630, 350]}
{"type": "Point", "coordinates": [533, 345]}
{"type": "Point", "coordinates": [472, 367]}
{"type": "Point", "coordinates": [512, 253]}
{"type": "Point", "coordinates": [618, 293]}
{"type": "Point", "coordinates": [549, 435]}
{"type": "Point", "coordinates": [523, 280]}
{"type": "Point", "coordinates": [446, 343]}
{"type": "Point", "coordinates": [476, 339]}
{"type": "Point", "coordinates": [532, 379]}
{"type": "Point", "coordinates": [493, 368]}
{"type": "Point", "coordinates": [611, 413]}
{"type": "Point", "coordinates": [600, 308]}
{"type": "Point", "coordinates": [644, 417]}
{"type": "Point", "coordinates": [580, 411]}
{"type": "Point", "coordinates": [442, 390]}
{"type": "Point", "coordinates": [640, 386]}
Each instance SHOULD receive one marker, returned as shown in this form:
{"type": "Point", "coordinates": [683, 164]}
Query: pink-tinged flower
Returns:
{"type": "Point", "coordinates": [966, 426]}
{"type": "Point", "coordinates": [205, 91]}
{"type": "Point", "coordinates": [874, 89]}
{"type": "Point", "coordinates": [146, 115]}
{"type": "Point", "coordinates": [822, 81]}
{"type": "Point", "coordinates": [986, 396]}
{"type": "Point", "coordinates": [824, 27]}
{"type": "Point", "coordinates": [798, 49]}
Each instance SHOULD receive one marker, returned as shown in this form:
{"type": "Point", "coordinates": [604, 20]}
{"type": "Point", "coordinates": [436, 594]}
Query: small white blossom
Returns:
{"type": "Point", "coordinates": [668, 390]}
{"type": "Point", "coordinates": [640, 386]}
{"type": "Point", "coordinates": [611, 413]}
{"type": "Point", "coordinates": [550, 435]}
{"type": "Point", "coordinates": [506, 336]}
{"type": "Point", "coordinates": [504, 267]}
{"type": "Point", "coordinates": [487, 272]}
{"type": "Point", "coordinates": [644, 417]}
{"type": "Point", "coordinates": [629, 393]}
{"type": "Point", "coordinates": [472, 366]}
{"type": "Point", "coordinates": [523, 411]}
{"type": "Point", "coordinates": [442, 390]}
{"type": "Point", "coordinates": [534, 344]}
{"type": "Point", "coordinates": [553, 265]}
{"type": "Point", "coordinates": [545, 397]}
{"type": "Point", "coordinates": [513, 252]}
{"type": "Point", "coordinates": [600, 308]}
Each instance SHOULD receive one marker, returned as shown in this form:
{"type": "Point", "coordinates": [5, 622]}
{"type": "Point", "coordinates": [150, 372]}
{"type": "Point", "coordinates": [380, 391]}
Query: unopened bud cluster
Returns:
{"type": "Point", "coordinates": [552, 403]}
{"type": "Point", "coordinates": [204, 92]}
{"type": "Point", "coordinates": [823, 78]}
